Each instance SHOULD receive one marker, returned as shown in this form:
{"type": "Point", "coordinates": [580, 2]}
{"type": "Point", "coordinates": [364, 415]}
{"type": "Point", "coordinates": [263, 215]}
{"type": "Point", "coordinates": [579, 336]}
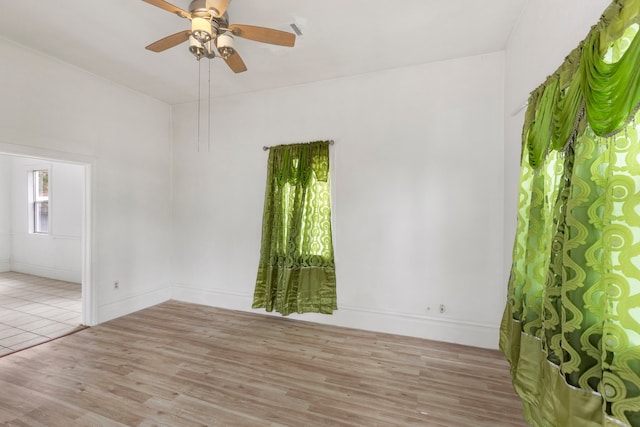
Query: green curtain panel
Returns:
{"type": "Point", "coordinates": [297, 271]}
{"type": "Point", "coordinates": [571, 326]}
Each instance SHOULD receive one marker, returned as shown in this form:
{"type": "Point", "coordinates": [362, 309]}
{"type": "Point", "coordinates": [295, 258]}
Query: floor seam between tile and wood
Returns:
{"type": "Point", "coordinates": [35, 309]}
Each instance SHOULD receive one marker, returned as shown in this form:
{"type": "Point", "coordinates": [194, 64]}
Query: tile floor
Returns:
{"type": "Point", "coordinates": [35, 309]}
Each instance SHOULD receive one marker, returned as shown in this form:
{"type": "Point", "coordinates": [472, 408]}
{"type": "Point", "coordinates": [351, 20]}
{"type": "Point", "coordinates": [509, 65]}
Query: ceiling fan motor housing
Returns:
{"type": "Point", "coordinates": [206, 9]}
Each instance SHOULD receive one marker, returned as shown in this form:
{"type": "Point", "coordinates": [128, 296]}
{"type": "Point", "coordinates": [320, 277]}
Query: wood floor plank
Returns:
{"type": "Point", "coordinates": [179, 364]}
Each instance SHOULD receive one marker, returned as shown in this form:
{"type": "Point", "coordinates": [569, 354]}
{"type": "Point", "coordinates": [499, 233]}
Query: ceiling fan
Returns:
{"type": "Point", "coordinates": [211, 35]}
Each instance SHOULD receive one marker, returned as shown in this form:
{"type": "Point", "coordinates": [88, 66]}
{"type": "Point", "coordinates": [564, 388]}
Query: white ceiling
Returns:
{"type": "Point", "coordinates": [340, 38]}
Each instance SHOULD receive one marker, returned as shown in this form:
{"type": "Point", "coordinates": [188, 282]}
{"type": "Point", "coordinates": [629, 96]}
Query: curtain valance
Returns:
{"type": "Point", "coordinates": [295, 163]}
{"type": "Point", "coordinates": [598, 84]}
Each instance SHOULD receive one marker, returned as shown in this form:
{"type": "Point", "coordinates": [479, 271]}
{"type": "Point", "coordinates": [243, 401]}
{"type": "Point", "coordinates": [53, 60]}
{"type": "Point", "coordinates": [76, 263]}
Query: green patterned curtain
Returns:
{"type": "Point", "coordinates": [297, 271]}
{"type": "Point", "coordinates": [571, 326]}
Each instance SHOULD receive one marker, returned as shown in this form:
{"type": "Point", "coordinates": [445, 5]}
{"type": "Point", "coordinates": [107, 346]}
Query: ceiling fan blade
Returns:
{"type": "Point", "coordinates": [219, 5]}
{"type": "Point", "coordinates": [169, 8]}
{"type": "Point", "coordinates": [235, 62]}
{"type": "Point", "coordinates": [264, 35]}
{"type": "Point", "coordinates": [169, 41]}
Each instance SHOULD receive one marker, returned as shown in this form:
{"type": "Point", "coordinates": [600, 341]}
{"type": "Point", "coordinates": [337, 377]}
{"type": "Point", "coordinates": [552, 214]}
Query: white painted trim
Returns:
{"type": "Point", "coordinates": [43, 154]}
{"type": "Point", "coordinates": [5, 263]}
{"type": "Point", "coordinates": [419, 326]}
{"type": "Point", "coordinates": [427, 327]}
{"type": "Point", "coordinates": [43, 271]}
{"type": "Point", "coordinates": [89, 292]}
{"type": "Point", "coordinates": [46, 236]}
{"type": "Point", "coordinates": [212, 297]}
{"type": "Point", "coordinates": [133, 303]}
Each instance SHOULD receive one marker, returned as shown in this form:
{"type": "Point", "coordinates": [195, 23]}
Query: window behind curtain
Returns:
{"type": "Point", "coordinates": [296, 271]}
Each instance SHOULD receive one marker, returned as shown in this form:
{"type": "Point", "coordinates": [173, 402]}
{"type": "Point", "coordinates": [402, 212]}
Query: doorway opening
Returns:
{"type": "Point", "coordinates": [45, 248]}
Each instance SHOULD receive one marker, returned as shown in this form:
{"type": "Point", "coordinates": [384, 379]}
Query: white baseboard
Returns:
{"type": "Point", "coordinates": [213, 297]}
{"type": "Point", "coordinates": [437, 329]}
{"type": "Point", "coordinates": [48, 272]}
{"type": "Point", "coordinates": [132, 303]}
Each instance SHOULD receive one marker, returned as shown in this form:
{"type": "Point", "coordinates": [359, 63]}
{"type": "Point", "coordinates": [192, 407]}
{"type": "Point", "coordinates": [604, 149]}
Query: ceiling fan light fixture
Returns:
{"type": "Point", "coordinates": [201, 29]}
{"type": "Point", "coordinates": [224, 43]}
{"type": "Point", "coordinates": [196, 48]}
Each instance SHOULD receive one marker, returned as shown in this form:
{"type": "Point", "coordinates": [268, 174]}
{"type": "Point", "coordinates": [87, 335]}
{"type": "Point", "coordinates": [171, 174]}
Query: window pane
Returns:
{"type": "Point", "coordinates": [41, 217]}
{"type": "Point", "coordinates": [42, 184]}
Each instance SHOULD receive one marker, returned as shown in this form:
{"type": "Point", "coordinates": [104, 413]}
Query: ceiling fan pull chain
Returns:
{"type": "Point", "coordinates": [198, 105]}
{"type": "Point", "coordinates": [209, 113]}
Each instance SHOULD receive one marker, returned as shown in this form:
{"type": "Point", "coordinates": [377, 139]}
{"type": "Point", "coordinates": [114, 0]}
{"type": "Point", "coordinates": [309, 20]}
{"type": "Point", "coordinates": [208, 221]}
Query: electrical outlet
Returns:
{"type": "Point", "coordinates": [441, 308]}
{"type": "Point", "coordinates": [116, 284]}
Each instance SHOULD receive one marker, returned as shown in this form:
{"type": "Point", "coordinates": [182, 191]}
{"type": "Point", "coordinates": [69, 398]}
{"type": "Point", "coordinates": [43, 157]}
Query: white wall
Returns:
{"type": "Point", "coordinates": [5, 213]}
{"type": "Point", "coordinates": [51, 109]}
{"type": "Point", "coordinates": [545, 34]}
{"type": "Point", "coordinates": [422, 180]}
{"type": "Point", "coordinates": [57, 255]}
{"type": "Point", "coordinates": [417, 185]}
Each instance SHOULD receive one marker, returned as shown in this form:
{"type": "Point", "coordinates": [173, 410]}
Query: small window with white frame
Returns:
{"type": "Point", "coordinates": [39, 217]}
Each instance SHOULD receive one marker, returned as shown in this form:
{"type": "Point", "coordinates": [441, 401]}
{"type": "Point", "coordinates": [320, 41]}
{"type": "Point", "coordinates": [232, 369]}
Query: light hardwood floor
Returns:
{"type": "Point", "coordinates": [179, 364]}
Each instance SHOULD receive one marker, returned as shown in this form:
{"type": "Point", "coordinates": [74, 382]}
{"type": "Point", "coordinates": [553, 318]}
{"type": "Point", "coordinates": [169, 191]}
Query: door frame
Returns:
{"type": "Point", "coordinates": [89, 295]}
